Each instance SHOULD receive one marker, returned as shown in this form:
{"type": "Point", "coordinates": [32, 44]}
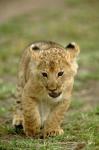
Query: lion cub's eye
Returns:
{"type": "Point", "coordinates": [60, 73]}
{"type": "Point", "coordinates": [44, 74]}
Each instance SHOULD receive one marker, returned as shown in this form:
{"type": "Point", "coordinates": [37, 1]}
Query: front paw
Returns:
{"type": "Point", "coordinates": [53, 132]}
{"type": "Point", "coordinates": [30, 132]}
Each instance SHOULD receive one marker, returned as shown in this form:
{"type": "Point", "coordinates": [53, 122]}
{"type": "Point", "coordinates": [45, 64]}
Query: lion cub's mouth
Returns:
{"type": "Point", "coordinates": [54, 94]}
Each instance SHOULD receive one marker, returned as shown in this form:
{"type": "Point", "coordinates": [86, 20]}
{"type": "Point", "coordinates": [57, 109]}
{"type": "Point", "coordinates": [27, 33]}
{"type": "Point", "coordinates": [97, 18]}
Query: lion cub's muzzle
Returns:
{"type": "Point", "coordinates": [54, 94]}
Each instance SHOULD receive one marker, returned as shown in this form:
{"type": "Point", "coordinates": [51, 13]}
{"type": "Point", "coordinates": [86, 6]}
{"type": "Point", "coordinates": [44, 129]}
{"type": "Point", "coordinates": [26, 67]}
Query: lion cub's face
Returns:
{"type": "Point", "coordinates": [55, 69]}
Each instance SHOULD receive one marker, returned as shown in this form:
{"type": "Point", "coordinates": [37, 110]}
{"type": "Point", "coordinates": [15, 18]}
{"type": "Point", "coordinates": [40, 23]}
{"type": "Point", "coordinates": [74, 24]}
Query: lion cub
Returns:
{"type": "Point", "coordinates": [45, 81]}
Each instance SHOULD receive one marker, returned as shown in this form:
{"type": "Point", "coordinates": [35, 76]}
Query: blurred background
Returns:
{"type": "Point", "coordinates": [62, 21]}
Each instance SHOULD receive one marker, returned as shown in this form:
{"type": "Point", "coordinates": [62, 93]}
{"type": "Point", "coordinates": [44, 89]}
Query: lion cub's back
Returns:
{"type": "Point", "coordinates": [37, 46]}
{"type": "Point", "coordinates": [44, 45]}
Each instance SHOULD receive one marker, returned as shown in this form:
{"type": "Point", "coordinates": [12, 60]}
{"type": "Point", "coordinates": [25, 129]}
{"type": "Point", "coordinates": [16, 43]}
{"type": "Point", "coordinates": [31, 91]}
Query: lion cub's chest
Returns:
{"type": "Point", "coordinates": [44, 110]}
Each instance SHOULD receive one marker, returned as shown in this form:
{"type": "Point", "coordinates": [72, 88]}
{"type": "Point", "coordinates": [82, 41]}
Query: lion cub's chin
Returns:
{"type": "Point", "coordinates": [57, 99]}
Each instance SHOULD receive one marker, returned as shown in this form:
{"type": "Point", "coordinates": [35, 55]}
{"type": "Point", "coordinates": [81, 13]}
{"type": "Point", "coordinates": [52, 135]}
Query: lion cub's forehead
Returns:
{"type": "Point", "coordinates": [52, 52]}
{"type": "Point", "coordinates": [52, 59]}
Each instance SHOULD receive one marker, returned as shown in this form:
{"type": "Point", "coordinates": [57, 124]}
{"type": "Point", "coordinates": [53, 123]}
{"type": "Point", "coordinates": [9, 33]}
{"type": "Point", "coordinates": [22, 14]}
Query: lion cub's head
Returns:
{"type": "Point", "coordinates": [55, 67]}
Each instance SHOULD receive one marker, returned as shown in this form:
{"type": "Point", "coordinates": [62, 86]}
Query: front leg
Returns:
{"type": "Point", "coordinates": [52, 125]}
{"type": "Point", "coordinates": [32, 121]}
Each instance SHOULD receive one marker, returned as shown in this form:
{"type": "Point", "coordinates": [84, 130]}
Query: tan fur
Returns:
{"type": "Point", "coordinates": [36, 110]}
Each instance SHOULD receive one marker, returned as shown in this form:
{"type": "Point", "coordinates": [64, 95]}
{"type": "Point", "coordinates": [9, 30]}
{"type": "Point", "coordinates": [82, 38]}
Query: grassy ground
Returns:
{"type": "Point", "coordinates": [77, 21]}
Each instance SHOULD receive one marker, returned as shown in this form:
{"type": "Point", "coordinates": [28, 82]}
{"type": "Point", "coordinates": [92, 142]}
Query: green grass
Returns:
{"type": "Point", "coordinates": [77, 21]}
{"type": "Point", "coordinates": [6, 90]}
{"type": "Point", "coordinates": [81, 129]}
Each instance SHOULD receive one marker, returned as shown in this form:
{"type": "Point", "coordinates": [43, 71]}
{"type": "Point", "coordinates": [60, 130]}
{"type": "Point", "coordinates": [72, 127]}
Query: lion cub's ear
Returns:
{"type": "Point", "coordinates": [34, 52]}
{"type": "Point", "coordinates": [72, 52]}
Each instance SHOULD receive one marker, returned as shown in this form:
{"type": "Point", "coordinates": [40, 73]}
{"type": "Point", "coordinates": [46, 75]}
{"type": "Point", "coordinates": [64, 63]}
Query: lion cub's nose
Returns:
{"type": "Point", "coordinates": [52, 90]}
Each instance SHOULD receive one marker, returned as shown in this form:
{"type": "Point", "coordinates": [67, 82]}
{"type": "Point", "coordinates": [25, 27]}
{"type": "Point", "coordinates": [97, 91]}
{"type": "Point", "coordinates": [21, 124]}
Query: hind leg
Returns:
{"type": "Point", "coordinates": [17, 119]}
{"type": "Point", "coordinates": [18, 114]}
